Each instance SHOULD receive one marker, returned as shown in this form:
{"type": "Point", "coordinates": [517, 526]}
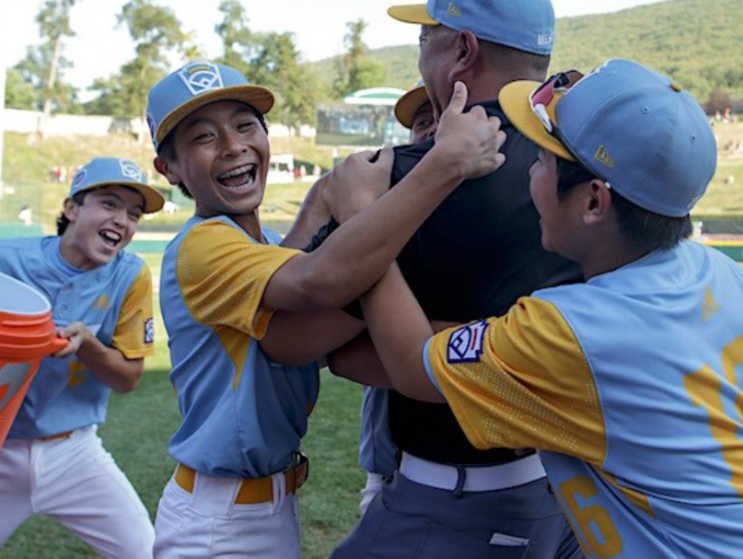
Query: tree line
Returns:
{"type": "Point", "coordinates": [695, 41]}
{"type": "Point", "coordinates": [270, 59]}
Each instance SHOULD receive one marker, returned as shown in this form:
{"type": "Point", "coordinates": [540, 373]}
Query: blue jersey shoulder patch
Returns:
{"type": "Point", "coordinates": [465, 343]}
{"type": "Point", "coordinates": [149, 331]}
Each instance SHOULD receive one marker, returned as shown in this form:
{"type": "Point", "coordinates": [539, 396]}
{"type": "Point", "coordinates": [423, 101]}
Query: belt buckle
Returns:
{"type": "Point", "coordinates": [301, 469]}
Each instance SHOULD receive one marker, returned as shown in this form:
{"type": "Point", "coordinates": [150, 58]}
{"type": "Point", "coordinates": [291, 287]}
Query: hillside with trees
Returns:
{"type": "Point", "coordinates": [695, 41]}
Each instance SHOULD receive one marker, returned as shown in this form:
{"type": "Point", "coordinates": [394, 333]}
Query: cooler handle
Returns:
{"type": "Point", "coordinates": [58, 343]}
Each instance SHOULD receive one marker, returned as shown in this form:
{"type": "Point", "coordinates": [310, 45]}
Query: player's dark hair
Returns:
{"type": "Point", "coordinates": [62, 221]}
{"type": "Point", "coordinates": [79, 199]}
{"type": "Point", "coordinates": [166, 149]}
{"type": "Point", "coordinates": [570, 174]}
{"type": "Point", "coordinates": [642, 227]}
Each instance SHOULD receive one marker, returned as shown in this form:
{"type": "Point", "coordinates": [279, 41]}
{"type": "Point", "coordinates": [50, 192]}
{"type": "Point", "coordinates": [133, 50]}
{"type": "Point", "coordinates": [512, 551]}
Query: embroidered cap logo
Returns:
{"type": "Point", "coordinates": [201, 77]}
{"type": "Point", "coordinates": [603, 157]}
{"type": "Point", "coordinates": [151, 124]}
{"type": "Point", "coordinates": [453, 11]}
{"type": "Point", "coordinates": [79, 177]}
{"type": "Point", "coordinates": [130, 170]}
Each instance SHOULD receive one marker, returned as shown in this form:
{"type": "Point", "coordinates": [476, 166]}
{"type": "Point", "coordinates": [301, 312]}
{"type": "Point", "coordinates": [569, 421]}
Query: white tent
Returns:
{"type": "Point", "coordinates": [374, 96]}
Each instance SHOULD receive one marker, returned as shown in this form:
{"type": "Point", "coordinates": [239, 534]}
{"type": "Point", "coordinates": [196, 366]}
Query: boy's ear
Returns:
{"type": "Point", "coordinates": [598, 202]}
{"type": "Point", "coordinates": [163, 167]}
{"type": "Point", "coordinates": [70, 209]}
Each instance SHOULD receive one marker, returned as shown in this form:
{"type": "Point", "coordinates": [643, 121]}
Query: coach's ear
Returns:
{"type": "Point", "coordinates": [468, 53]}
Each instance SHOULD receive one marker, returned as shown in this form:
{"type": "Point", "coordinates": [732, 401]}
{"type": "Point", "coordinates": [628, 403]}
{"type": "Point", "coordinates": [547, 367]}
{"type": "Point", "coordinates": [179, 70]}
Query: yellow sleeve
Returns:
{"type": "Point", "coordinates": [223, 276]}
{"type": "Point", "coordinates": [527, 384]}
{"type": "Point", "coordinates": [134, 330]}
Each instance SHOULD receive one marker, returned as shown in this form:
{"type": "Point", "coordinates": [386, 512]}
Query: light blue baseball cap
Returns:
{"type": "Point", "coordinates": [634, 128]}
{"type": "Point", "coordinates": [194, 85]}
{"type": "Point", "coordinates": [114, 171]}
{"type": "Point", "coordinates": [527, 25]}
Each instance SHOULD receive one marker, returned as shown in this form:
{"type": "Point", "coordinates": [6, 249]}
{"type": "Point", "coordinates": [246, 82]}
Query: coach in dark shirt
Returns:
{"type": "Point", "coordinates": [476, 254]}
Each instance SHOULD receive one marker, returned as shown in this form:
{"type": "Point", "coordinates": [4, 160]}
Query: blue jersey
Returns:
{"type": "Point", "coordinates": [114, 301]}
{"type": "Point", "coordinates": [630, 385]}
{"type": "Point", "coordinates": [243, 416]}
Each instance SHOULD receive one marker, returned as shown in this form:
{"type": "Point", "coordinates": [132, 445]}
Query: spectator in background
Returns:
{"type": "Point", "coordinates": [25, 215]}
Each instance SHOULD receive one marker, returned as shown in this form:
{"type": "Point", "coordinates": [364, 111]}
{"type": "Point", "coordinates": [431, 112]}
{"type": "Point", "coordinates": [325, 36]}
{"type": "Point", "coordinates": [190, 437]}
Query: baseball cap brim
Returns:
{"type": "Point", "coordinates": [412, 13]}
{"type": "Point", "coordinates": [256, 96]}
{"type": "Point", "coordinates": [409, 104]}
{"type": "Point", "coordinates": [514, 99]}
{"type": "Point", "coordinates": [153, 200]}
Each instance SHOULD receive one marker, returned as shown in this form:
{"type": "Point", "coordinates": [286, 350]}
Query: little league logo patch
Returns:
{"type": "Point", "coordinates": [79, 178]}
{"type": "Point", "coordinates": [149, 331]}
{"type": "Point", "coordinates": [201, 77]}
{"type": "Point", "coordinates": [465, 344]}
{"type": "Point", "coordinates": [130, 170]}
{"type": "Point", "coordinates": [151, 124]}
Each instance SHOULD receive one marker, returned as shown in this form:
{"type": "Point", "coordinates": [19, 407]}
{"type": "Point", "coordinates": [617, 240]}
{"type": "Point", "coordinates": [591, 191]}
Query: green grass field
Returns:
{"type": "Point", "coordinates": [137, 431]}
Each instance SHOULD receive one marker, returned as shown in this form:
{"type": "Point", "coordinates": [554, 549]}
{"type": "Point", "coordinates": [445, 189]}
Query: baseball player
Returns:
{"type": "Point", "coordinates": [628, 384]}
{"type": "Point", "coordinates": [415, 112]}
{"type": "Point", "coordinates": [377, 452]}
{"type": "Point", "coordinates": [226, 286]}
{"type": "Point", "coordinates": [53, 462]}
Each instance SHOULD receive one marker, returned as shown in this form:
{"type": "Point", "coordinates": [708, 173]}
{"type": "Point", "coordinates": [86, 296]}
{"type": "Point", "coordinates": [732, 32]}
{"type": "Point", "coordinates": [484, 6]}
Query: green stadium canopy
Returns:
{"type": "Point", "coordinates": [374, 96]}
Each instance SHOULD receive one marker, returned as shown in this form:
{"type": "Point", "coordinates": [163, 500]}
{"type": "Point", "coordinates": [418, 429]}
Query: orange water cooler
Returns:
{"type": "Point", "coordinates": [27, 335]}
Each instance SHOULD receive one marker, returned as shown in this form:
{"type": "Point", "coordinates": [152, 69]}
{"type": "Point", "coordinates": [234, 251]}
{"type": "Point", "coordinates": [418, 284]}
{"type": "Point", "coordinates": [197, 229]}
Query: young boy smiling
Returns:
{"type": "Point", "coordinates": [629, 384]}
{"type": "Point", "coordinates": [226, 285]}
{"type": "Point", "coordinates": [53, 462]}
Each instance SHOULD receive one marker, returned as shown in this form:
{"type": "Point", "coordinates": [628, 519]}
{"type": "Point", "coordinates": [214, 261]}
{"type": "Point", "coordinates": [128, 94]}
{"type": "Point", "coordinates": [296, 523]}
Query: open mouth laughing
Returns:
{"type": "Point", "coordinates": [111, 238]}
{"type": "Point", "coordinates": [238, 178]}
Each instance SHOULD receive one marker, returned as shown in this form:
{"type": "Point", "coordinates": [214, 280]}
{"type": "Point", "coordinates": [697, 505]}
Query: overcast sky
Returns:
{"type": "Point", "coordinates": [99, 48]}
